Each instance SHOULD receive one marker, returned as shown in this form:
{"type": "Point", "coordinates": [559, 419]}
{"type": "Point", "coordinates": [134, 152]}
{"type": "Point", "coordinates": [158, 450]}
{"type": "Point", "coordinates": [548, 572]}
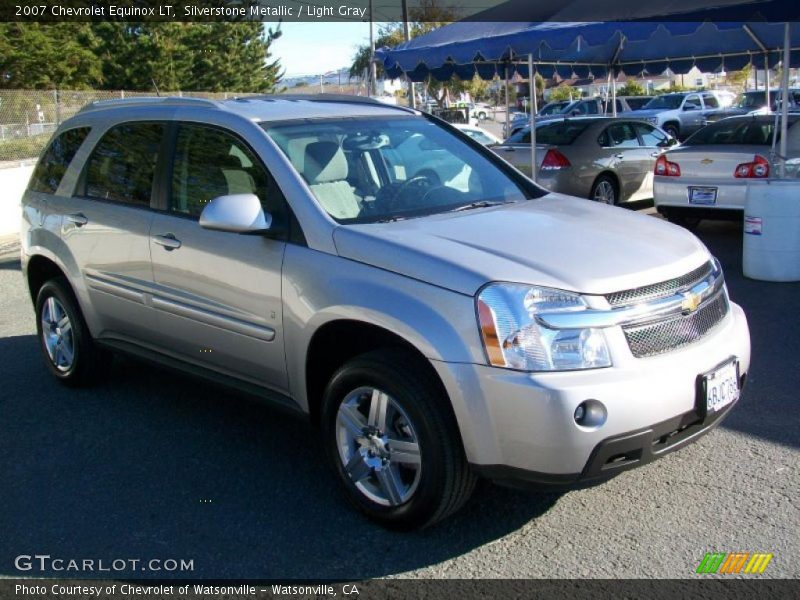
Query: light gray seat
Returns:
{"type": "Point", "coordinates": [326, 170]}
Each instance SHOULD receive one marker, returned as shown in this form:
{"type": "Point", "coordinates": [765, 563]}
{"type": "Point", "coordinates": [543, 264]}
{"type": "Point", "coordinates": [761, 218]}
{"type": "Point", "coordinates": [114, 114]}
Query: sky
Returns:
{"type": "Point", "coordinates": [313, 48]}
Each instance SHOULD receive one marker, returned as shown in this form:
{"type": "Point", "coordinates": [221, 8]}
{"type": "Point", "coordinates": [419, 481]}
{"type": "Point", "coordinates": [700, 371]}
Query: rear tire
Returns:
{"type": "Point", "coordinates": [392, 440]}
{"type": "Point", "coordinates": [67, 346]}
{"type": "Point", "coordinates": [605, 190]}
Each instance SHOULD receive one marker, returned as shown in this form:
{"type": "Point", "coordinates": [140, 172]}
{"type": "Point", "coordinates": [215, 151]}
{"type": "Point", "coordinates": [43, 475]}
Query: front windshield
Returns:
{"type": "Point", "coordinates": [364, 170]}
{"type": "Point", "coordinates": [552, 109]}
{"type": "Point", "coordinates": [667, 101]}
{"type": "Point", "coordinates": [753, 100]}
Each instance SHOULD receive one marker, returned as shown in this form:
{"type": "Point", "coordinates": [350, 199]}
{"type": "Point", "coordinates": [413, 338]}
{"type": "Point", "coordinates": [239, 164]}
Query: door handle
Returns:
{"type": "Point", "coordinates": [168, 241]}
{"type": "Point", "coordinates": [619, 156]}
{"type": "Point", "coordinates": [656, 154]}
{"type": "Point", "coordinates": [79, 219]}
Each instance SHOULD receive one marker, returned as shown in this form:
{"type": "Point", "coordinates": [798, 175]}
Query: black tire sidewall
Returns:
{"type": "Point", "coordinates": [426, 499]}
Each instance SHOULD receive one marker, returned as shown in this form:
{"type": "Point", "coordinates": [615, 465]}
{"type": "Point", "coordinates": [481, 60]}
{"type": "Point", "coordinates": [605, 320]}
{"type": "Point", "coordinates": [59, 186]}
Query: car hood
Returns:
{"type": "Point", "coordinates": [556, 241]}
{"type": "Point", "coordinates": [644, 113]}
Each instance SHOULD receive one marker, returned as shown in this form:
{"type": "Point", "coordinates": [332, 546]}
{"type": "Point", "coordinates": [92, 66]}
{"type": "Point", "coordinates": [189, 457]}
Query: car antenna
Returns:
{"type": "Point", "coordinates": [155, 86]}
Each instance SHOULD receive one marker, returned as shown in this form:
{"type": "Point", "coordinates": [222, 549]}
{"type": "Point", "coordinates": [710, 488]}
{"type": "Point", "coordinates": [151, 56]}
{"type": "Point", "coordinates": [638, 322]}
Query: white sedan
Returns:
{"type": "Point", "coordinates": [478, 134]}
{"type": "Point", "coordinates": [706, 177]}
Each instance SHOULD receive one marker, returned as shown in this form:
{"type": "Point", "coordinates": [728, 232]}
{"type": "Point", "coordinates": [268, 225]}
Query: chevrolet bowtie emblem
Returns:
{"type": "Point", "coordinates": [706, 161]}
{"type": "Point", "coordinates": [690, 302]}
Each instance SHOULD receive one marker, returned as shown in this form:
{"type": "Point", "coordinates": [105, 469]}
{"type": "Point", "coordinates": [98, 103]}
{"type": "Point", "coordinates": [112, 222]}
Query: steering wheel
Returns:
{"type": "Point", "coordinates": [418, 186]}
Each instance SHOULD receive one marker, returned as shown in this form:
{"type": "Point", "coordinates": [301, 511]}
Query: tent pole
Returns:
{"type": "Point", "coordinates": [766, 79]}
{"type": "Point", "coordinates": [613, 92]}
{"type": "Point", "coordinates": [507, 106]}
{"type": "Point", "coordinates": [534, 110]}
{"type": "Point", "coordinates": [785, 99]}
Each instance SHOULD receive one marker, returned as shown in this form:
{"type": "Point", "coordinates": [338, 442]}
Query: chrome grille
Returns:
{"type": "Point", "coordinates": [663, 336]}
{"type": "Point", "coordinates": [659, 290]}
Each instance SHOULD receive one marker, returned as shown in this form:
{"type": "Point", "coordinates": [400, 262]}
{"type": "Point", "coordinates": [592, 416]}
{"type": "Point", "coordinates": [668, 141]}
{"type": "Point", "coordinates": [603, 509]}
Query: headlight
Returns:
{"type": "Point", "coordinates": [514, 339]}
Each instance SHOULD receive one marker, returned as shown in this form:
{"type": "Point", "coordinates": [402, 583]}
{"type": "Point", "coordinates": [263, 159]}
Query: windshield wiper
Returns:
{"type": "Point", "coordinates": [391, 219]}
{"type": "Point", "coordinates": [478, 204]}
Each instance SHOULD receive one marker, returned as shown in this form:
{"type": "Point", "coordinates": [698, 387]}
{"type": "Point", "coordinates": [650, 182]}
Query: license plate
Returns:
{"type": "Point", "coordinates": [702, 195]}
{"type": "Point", "coordinates": [720, 387]}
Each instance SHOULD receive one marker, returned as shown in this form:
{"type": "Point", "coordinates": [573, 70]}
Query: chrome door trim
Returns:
{"type": "Point", "coordinates": [214, 319]}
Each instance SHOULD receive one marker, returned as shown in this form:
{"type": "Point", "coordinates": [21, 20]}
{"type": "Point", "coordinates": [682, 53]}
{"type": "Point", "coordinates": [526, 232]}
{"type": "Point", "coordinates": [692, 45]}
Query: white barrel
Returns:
{"type": "Point", "coordinates": [771, 247]}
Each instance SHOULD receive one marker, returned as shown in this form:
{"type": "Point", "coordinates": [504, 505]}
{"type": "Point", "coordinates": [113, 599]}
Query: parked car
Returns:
{"type": "Point", "coordinates": [600, 158]}
{"type": "Point", "coordinates": [754, 102]}
{"type": "Point", "coordinates": [576, 108]}
{"type": "Point", "coordinates": [481, 110]}
{"type": "Point", "coordinates": [706, 178]}
{"type": "Point", "coordinates": [679, 114]}
{"type": "Point", "coordinates": [552, 108]}
{"type": "Point", "coordinates": [434, 331]}
{"type": "Point", "coordinates": [478, 134]}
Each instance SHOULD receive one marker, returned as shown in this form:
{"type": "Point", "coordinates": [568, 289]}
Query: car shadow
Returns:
{"type": "Point", "coordinates": [771, 308]}
{"type": "Point", "coordinates": [153, 464]}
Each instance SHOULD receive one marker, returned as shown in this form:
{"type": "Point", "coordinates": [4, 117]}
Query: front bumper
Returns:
{"type": "Point", "coordinates": [520, 426]}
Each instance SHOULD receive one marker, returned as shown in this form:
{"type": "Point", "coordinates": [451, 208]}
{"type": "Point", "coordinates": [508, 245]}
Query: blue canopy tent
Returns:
{"type": "Point", "coordinates": [710, 39]}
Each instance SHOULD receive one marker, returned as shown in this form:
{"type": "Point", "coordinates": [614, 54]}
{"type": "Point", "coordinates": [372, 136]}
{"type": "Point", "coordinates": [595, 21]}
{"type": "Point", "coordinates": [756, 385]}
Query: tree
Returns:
{"type": "Point", "coordinates": [562, 92]}
{"type": "Point", "coordinates": [48, 56]}
{"type": "Point", "coordinates": [425, 17]}
{"type": "Point", "coordinates": [214, 56]}
{"type": "Point", "coordinates": [739, 79]}
{"type": "Point", "coordinates": [632, 88]}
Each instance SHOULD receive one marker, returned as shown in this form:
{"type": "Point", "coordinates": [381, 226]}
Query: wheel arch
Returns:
{"type": "Point", "coordinates": [614, 179]}
{"type": "Point", "coordinates": [339, 340]}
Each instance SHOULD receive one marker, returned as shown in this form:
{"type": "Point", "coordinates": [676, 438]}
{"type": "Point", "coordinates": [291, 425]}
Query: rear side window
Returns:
{"type": "Point", "coordinates": [123, 164]}
{"type": "Point", "coordinates": [619, 135]}
{"type": "Point", "coordinates": [562, 132]}
{"type": "Point", "coordinates": [56, 159]}
{"type": "Point", "coordinates": [710, 101]}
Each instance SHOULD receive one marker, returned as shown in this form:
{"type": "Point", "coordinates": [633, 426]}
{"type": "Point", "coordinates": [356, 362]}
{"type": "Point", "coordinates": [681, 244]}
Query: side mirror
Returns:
{"type": "Point", "coordinates": [236, 213]}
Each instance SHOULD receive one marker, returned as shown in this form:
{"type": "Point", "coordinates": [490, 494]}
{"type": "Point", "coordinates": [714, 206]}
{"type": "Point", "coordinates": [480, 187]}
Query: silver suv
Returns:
{"type": "Point", "coordinates": [437, 317]}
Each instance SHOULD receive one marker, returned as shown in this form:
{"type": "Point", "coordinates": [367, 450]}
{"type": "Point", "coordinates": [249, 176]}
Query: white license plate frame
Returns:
{"type": "Point", "coordinates": [719, 388]}
{"type": "Point", "coordinates": [703, 195]}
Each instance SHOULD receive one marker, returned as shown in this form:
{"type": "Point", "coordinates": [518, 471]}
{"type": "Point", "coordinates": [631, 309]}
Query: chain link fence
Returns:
{"type": "Point", "coordinates": [29, 117]}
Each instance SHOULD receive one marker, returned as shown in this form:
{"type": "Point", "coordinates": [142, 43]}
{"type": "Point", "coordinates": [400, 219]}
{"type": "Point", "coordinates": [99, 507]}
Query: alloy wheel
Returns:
{"type": "Point", "coordinates": [378, 446]}
{"type": "Point", "coordinates": [604, 192]}
{"type": "Point", "coordinates": [57, 334]}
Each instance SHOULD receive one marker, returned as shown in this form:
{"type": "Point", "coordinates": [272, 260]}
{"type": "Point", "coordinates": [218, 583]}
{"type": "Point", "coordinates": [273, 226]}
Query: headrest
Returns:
{"type": "Point", "coordinates": [324, 162]}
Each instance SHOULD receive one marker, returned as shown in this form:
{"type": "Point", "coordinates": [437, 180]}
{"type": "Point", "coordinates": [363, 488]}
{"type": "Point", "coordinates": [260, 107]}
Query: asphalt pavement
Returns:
{"type": "Point", "coordinates": [151, 464]}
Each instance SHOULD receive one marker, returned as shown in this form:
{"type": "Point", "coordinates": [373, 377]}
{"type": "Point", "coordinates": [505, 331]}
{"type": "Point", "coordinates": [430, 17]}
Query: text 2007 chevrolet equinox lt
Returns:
{"type": "Point", "coordinates": [436, 314]}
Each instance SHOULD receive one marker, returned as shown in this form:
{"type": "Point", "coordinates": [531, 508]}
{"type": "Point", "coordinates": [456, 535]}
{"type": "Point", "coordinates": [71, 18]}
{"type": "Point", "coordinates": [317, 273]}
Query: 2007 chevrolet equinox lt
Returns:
{"type": "Point", "coordinates": [437, 315]}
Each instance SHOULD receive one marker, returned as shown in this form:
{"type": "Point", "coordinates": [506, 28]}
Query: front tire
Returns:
{"type": "Point", "coordinates": [67, 346]}
{"type": "Point", "coordinates": [391, 437]}
{"type": "Point", "coordinates": [671, 130]}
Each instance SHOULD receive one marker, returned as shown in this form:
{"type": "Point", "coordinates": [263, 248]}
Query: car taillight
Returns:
{"type": "Point", "coordinates": [554, 160]}
{"type": "Point", "coordinates": [666, 168]}
{"type": "Point", "coordinates": [758, 169]}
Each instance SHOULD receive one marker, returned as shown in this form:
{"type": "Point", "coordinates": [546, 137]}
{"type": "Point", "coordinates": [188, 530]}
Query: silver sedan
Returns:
{"type": "Point", "coordinates": [707, 177]}
{"type": "Point", "coordinates": [601, 158]}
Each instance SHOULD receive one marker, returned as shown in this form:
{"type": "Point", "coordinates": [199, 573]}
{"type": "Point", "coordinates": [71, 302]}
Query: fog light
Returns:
{"type": "Point", "coordinates": [590, 414]}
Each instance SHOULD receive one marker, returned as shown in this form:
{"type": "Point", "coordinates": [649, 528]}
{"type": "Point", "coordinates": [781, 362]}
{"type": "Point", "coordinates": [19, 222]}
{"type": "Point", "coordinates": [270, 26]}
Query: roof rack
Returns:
{"type": "Point", "coordinates": [343, 98]}
{"type": "Point", "coordinates": [149, 101]}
